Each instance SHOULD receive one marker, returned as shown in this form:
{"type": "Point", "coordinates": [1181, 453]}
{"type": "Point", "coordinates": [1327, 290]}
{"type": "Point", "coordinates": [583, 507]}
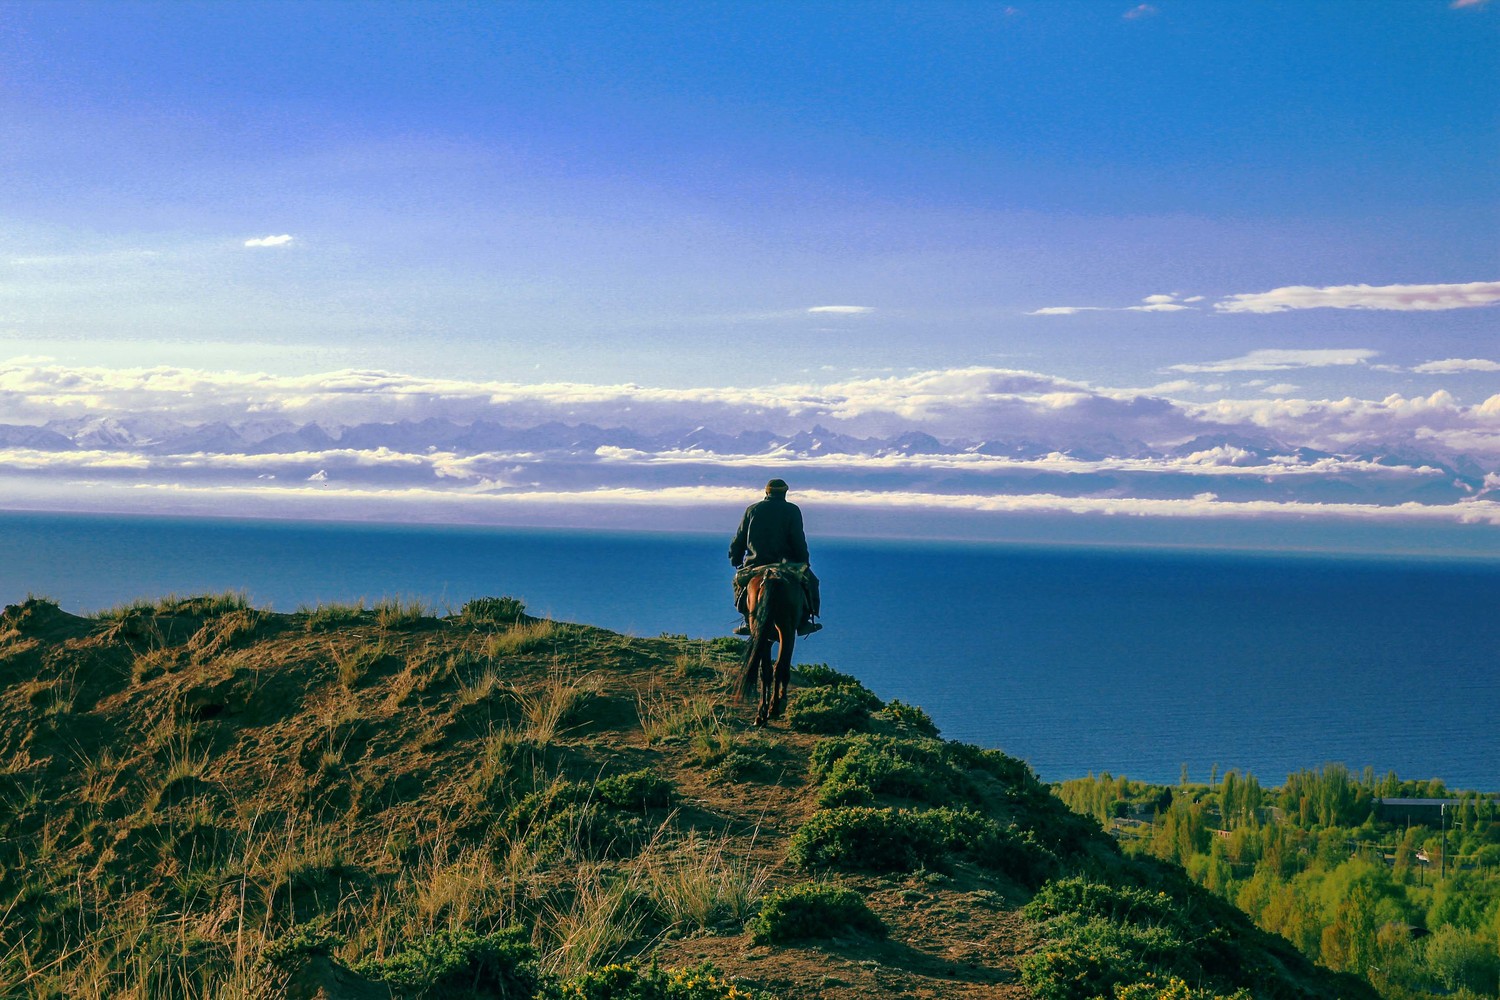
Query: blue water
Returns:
{"type": "Point", "coordinates": [1078, 660]}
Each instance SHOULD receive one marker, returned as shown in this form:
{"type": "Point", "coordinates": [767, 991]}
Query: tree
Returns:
{"type": "Point", "coordinates": [1462, 959]}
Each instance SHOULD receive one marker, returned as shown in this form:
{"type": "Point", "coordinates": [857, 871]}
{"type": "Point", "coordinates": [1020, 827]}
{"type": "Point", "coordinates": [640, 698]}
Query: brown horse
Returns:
{"type": "Point", "coordinates": [775, 600]}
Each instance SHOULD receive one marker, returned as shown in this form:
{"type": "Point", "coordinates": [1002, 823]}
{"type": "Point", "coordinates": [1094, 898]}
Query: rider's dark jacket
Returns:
{"type": "Point", "coordinates": [770, 532]}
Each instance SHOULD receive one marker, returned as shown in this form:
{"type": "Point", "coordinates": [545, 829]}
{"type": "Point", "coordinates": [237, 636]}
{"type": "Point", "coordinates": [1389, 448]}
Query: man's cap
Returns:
{"type": "Point", "coordinates": [776, 486]}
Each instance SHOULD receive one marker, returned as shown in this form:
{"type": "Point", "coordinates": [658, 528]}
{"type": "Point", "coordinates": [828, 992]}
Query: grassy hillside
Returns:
{"type": "Point", "coordinates": [202, 799]}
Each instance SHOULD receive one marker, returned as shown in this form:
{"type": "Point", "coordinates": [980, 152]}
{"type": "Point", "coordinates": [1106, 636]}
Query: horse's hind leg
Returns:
{"type": "Point", "coordinates": [783, 671]}
{"type": "Point", "coordinates": [763, 716]}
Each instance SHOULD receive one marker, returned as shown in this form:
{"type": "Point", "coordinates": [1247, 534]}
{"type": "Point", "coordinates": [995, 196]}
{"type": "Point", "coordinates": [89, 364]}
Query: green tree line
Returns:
{"type": "Point", "coordinates": [1413, 906]}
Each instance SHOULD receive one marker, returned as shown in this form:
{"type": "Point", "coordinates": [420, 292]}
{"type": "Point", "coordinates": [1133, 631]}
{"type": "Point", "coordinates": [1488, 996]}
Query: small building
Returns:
{"type": "Point", "coordinates": [1425, 812]}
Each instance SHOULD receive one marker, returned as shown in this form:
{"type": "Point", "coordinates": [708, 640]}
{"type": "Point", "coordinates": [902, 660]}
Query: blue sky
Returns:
{"type": "Point", "coordinates": [1273, 206]}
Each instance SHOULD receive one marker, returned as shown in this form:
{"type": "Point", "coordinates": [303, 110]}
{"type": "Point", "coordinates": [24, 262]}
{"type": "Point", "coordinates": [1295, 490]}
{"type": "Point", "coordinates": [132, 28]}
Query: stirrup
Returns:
{"type": "Point", "coordinates": [808, 628]}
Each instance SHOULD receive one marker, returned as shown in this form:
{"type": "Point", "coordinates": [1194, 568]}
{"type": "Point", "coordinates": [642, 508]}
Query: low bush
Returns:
{"type": "Point", "coordinates": [311, 938]}
{"type": "Point", "coordinates": [857, 769]}
{"type": "Point", "coordinates": [862, 838]}
{"type": "Point", "coordinates": [1080, 970]}
{"type": "Point", "coordinates": [1106, 940]}
{"type": "Point", "coordinates": [1079, 897]}
{"type": "Point", "coordinates": [821, 675]}
{"type": "Point", "coordinates": [1173, 989]}
{"type": "Point", "coordinates": [727, 647]}
{"type": "Point", "coordinates": [809, 911]}
{"type": "Point", "coordinates": [858, 837]}
{"type": "Point", "coordinates": [492, 611]}
{"type": "Point", "coordinates": [631, 982]}
{"type": "Point", "coordinates": [755, 762]}
{"type": "Point", "coordinates": [1014, 775]}
{"type": "Point", "coordinates": [637, 791]}
{"type": "Point", "coordinates": [564, 821]}
{"type": "Point", "coordinates": [831, 710]}
{"type": "Point", "coordinates": [454, 964]}
{"type": "Point", "coordinates": [909, 718]}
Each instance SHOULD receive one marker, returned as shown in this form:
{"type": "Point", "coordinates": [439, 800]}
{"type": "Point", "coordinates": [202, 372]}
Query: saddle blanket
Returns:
{"type": "Point", "coordinates": [788, 570]}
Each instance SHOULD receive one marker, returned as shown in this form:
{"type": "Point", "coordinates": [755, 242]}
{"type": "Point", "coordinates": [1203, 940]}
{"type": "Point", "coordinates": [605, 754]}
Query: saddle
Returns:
{"type": "Point", "coordinates": [783, 570]}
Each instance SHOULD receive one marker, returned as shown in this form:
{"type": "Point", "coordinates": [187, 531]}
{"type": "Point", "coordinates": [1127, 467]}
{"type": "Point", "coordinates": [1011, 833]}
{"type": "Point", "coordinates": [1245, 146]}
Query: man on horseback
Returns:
{"type": "Point", "coordinates": [770, 533]}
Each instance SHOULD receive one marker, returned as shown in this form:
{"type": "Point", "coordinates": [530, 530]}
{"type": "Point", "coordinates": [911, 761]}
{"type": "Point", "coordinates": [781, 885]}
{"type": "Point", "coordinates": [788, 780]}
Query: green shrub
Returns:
{"type": "Point", "coordinates": [831, 710]}
{"type": "Point", "coordinates": [311, 938]}
{"type": "Point", "coordinates": [856, 769]}
{"type": "Point", "coordinates": [564, 821]}
{"type": "Point", "coordinates": [460, 964]}
{"type": "Point", "coordinates": [1103, 937]}
{"type": "Point", "coordinates": [861, 838]}
{"type": "Point", "coordinates": [809, 911]}
{"type": "Point", "coordinates": [908, 717]}
{"type": "Point", "coordinates": [492, 611]}
{"type": "Point", "coordinates": [751, 763]}
{"type": "Point", "coordinates": [1016, 852]}
{"type": "Point", "coordinates": [1078, 896]}
{"type": "Point", "coordinates": [637, 790]}
{"type": "Point", "coordinates": [885, 840]}
{"type": "Point", "coordinates": [1014, 775]}
{"type": "Point", "coordinates": [1080, 970]}
{"type": "Point", "coordinates": [630, 982]}
{"type": "Point", "coordinates": [822, 675]}
{"type": "Point", "coordinates": [727, 647]}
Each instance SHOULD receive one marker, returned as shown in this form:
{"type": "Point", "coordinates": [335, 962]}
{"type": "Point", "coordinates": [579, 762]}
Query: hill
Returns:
{"type": "Point", "coordinates": [202, 799]}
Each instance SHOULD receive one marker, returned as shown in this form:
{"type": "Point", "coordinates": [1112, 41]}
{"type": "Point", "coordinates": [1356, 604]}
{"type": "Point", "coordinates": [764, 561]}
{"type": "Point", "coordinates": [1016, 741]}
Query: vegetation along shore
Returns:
{"type": "Point", "coordinates": [201, 799]}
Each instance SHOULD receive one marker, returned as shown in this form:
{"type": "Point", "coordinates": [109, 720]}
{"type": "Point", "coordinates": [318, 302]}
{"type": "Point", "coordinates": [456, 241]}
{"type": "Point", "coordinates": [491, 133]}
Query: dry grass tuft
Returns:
{"type": "Point", "coordinates": [521, 638]}
{"type": "Point", "coordinates": [547, 709]}
{"type": "Point", "coordinates": [674, 716]}
{"type": "Point", "coordinates": [333, 615]}
{"type": "Point", "coordinates": [704, 884]}
{"type": "Point", "coordinates": [354, 662]}
{"type": "Point", "coordinates": [397, 614]}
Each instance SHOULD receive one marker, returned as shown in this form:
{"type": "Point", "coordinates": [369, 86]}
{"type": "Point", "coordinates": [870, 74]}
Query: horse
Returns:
{"type": "Point", "coordinates": [775, 600]}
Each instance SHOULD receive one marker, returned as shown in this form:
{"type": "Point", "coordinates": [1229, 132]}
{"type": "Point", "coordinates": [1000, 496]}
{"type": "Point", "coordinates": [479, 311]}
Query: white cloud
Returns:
{"type": "Point", "coordinates": [1151, 303]}
{"type": "Point", "coordinates": [999, 434]}
{"type": "Point", "coordinates": [1278, 359]}
{"type": "Point", "coordinates": [443, 505]}
{"type": "Point", "coordinates": [842, 310]}
{"type": "Point", "coordinates": [1460, 4]}
{"type": "Point", "coordinates": [1452, 366]}
{"type": "Point", "coordinates": [269, 241]}
{"type": "Point", "coordinates": [1140, 10]}
{"type": "Point", "coordinates": [1402, 298]}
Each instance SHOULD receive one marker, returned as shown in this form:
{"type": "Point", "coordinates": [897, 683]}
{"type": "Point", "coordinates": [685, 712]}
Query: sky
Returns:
{"type": "Point", "coordinates": [1238, 259]}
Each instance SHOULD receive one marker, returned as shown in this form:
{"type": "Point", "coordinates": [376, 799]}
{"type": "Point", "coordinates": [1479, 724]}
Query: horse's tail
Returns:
{"type": "Point", "coordinates": [760, 633]}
